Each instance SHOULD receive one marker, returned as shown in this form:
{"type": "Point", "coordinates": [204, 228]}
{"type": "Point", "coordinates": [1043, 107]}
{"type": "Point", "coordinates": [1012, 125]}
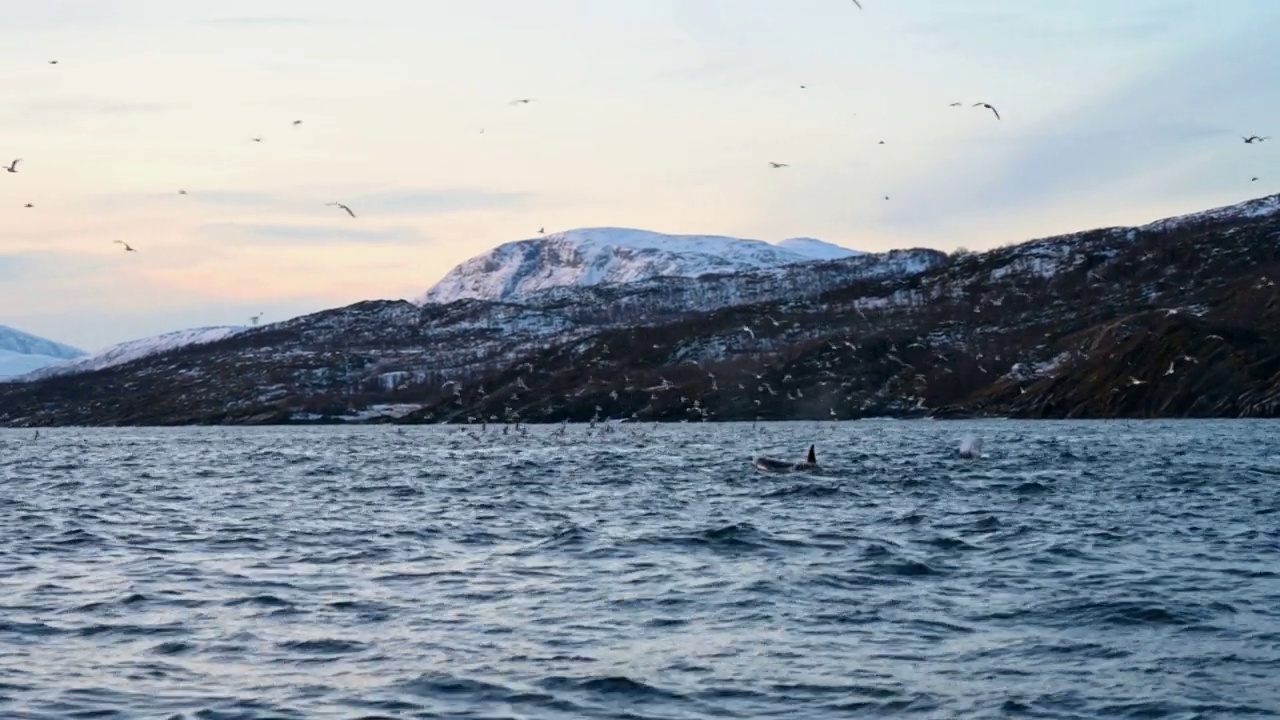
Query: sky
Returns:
{"type": "Point", "coordinates": [653, 114]}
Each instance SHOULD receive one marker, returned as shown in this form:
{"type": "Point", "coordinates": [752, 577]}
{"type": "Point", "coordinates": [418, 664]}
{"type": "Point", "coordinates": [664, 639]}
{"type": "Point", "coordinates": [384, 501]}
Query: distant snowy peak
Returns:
{"type": "Point", "coordinates": [21, 353]}
{"type": "Point", "coordinates": [818, 249]}
{"type": "Point", "coordinates": [134, 350]}
{"type": "Point", "coordinates": [22, 343]}
{"type": "Point", "coordinates": [596, 256]}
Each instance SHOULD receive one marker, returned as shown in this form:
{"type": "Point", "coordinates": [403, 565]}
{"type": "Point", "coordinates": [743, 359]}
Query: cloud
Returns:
{"type": "Point", "coordinates": [436, 202]}
{"type": "Point", "coordinates": [309, 235]}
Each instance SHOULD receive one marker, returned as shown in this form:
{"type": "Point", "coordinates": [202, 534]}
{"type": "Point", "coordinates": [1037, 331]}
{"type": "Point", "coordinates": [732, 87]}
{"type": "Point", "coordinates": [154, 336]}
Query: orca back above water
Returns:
{"type": "Point", "coordinates": [768, 464]}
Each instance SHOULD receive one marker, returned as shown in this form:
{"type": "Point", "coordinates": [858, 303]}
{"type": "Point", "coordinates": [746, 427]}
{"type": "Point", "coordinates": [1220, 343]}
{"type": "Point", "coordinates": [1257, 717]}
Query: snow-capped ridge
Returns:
{"type": "Point", "coordinates": [606, 255]}
{"type": "Point", "coordinates": [134, 350]}
{"type": "Point", "coordinates": [21, 353]}
{"type": "Point", "coordinates": [818, 249]}
{"type": "Point", "coordinates": [1256, 208]}
{"type": "Point", "coordinates": [24, 343]}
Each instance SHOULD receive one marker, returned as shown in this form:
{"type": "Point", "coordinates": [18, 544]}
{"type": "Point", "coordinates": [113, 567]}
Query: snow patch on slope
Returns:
{"type": "Point", "coordinates": [133, 350]}
{"type": "Point", "coordinates": [596, 256]}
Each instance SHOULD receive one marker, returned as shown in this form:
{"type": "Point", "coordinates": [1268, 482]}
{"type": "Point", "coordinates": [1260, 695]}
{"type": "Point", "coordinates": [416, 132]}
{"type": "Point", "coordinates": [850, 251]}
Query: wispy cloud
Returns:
{"type": "Point", "coordinates": [309, 235]}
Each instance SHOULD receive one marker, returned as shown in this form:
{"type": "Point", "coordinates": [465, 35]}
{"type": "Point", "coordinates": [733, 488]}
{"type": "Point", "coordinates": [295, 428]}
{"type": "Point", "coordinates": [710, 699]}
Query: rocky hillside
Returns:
{"type": "Point", "coordinates": [1179, 318]}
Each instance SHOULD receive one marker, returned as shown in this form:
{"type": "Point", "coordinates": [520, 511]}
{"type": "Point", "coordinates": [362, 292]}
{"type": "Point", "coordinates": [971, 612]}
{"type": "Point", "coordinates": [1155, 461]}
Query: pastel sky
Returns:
{"type": "Point", "coordinates": [654, 114]}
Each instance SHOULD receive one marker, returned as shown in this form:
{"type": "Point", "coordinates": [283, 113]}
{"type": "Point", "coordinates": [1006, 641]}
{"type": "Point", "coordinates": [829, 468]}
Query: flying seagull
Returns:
{"type": "Point", "coordinates": [127, 247]}
{"type": "Point", "coordinates": [297, 122]}
{"type": "Point", "coordinates": [855, 2]}
{"type": "Point", "coordinates": [521, 101]}
{"type": "Point", "coordinates": [1254, 138]}
{"type": "Point", "coordinates": [1253, 180]}
{"type": "Point", "coordinates": [340, 205]}
{"type": "Point", "coordinates": [776, 165]}
{"type": "Point", "coordinates": [13, 166]}
{"type": "Point", "coordinates": [53, 62]}
{"type": "Point", "coordinates": [257, 139]}
{"type": "Point", "coordinates": [29, 205]}
{"type": "Point", "coordinates": [989, 107]}
{"type": "Point", "coordinates": [955, 104]}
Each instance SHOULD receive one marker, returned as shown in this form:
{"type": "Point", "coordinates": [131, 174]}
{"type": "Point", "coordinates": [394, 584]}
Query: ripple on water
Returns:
{"type": "Point", "coordinates": [1078, 570]}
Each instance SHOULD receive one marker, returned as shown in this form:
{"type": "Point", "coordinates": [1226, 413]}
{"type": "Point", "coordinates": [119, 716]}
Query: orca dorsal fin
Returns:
{"type": "Point", "coordinates": [812, 459]}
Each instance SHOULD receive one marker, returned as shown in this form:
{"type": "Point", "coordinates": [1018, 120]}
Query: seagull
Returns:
{"type": "Point", "coordinates": [255, 318]}
{"type": "Point", "coordinates": [777, 165]}
{"type": "Point", "coordinates": [127, 247]}
{"type": "Point", "coordinates": [344, 207]}
{"type": "Point", "coordinates": [749, 331]}
{"type": "Point", "coordinates": [855, 2]}
{"type": "Point", "coordinates": [53, 62]}
{"type": "Point", "coordinates": [989, 107]}
{"type": "Point", "coordinates": [182, 192]}
{"type": "Point", "coordinates": [955, 104]}
{"type": "Point", "coordinates": [521, 101]}
{"type": "Point", "coordinates": [29, 205]}
{"type": "Point", "coordinates": [257, 139]}
{"type": "Point", "coordinates": [297, 122]}
{"type": "Point", "coordinates": [1255, 139]}
{"type": "Point", "coordinates": [13, 166]}
{"type": "Point", "coordinates": [542, 231]}
{"type": "Point", "coordinates": [1253, 180]}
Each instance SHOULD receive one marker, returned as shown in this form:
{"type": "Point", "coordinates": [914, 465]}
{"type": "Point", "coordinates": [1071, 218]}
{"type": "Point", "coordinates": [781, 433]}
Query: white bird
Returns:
{"type": "Point", "coordinates": [749, 331]}
{"type": "Point", "coordinates": [126, 245]}
{"type": "Point", "coordinates": [13, 166]}
{"type": "Point", "coordinates": [340, 205]}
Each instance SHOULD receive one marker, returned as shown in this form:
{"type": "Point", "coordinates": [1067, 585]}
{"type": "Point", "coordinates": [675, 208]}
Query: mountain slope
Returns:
{"type": "Point", "coordinates": [27, 344]}
{"type": "Point", "coordinates": [1179, 318]}
{"type": "Point", "coordinates": [22, 352]}
{"type": "Point", "coordinates": [596, 256]}
{"type": "Point", "coordinates": [132, 350]}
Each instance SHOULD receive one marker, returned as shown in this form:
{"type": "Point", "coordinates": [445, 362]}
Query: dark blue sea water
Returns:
{"type": "Point", "coordinates": [1078, 570]}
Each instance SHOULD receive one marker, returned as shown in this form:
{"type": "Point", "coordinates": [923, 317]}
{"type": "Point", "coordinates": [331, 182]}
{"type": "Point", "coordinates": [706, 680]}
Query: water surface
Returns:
{"type": "Point", "coordinates": [1079, 570]}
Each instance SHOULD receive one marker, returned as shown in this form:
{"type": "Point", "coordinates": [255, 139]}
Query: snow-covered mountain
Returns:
{"type": "Point", "coordinates": [597, 256]}
{"type": "Point", "coordinates": [21, 352]}
{"type": "Point", "coordinates": [816, 249]}
{"type": "Point", "coordinates": [130, 351]}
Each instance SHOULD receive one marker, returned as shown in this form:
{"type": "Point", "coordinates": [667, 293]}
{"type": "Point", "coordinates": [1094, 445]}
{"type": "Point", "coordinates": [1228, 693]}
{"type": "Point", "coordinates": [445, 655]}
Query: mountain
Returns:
{"type": "Point", "coordinates": [1178, 318]}
{"type": "Point", "coordinates": [22, 352]}
{"type": "Point", "coordinates": [129, 351]}
{"type": "Point", "coordinates": [817, 249]}
{"type": "Point", "coordinates": [595, 256]}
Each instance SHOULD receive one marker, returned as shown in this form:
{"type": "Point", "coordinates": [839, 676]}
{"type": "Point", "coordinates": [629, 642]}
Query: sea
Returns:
{"type": "Point", "coordinates": [1073, 570]}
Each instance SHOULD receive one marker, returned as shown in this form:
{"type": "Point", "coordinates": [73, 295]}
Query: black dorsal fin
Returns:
{"type": "Point", "coordinates": [813, 459]}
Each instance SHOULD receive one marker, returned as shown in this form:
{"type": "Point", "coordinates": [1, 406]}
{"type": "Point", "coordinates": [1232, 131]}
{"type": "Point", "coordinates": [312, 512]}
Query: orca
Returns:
{"type": "Point", "coordinates": [768, 464]}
